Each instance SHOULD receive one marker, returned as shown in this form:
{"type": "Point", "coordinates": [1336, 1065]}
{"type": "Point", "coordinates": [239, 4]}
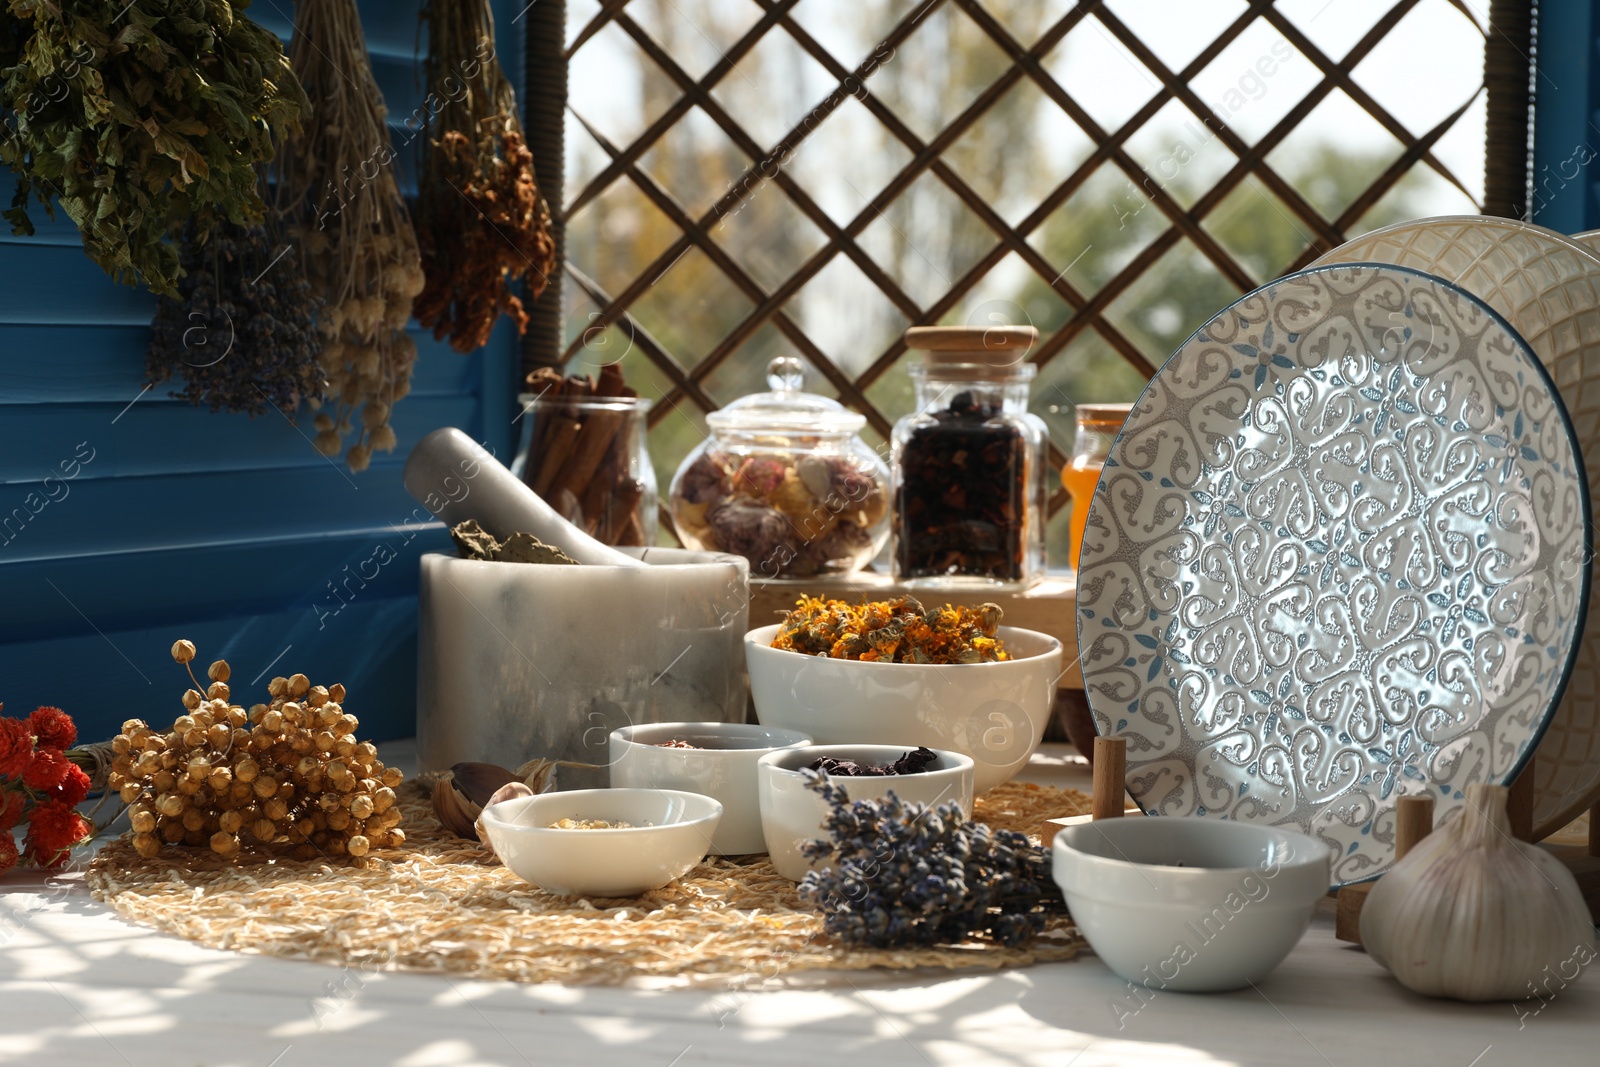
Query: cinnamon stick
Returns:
{"type": "Point", "coordinates": [623, 513]}
{"type": "Point", "coordinates": [562, 435]}
{"type": "Point", "coordinates": [602, 485]}
{"type": "Point", "coordinates": [599, 427]}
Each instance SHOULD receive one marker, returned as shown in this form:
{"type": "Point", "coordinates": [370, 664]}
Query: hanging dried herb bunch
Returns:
{"type": "Point", "coordinates": [337, 187]}
{"type": "Point", "coordinates": [141, 116]}
{"type": "Point", "coordinates": [481, 221]}
{"type": "Point", "coordinates": [241, 332]}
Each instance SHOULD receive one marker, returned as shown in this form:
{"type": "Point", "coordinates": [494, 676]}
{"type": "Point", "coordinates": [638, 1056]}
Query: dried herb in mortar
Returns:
{"type": "Point", "coordinates": [474, 542]}
{"type": "Point", "coordinates": [139, 117]}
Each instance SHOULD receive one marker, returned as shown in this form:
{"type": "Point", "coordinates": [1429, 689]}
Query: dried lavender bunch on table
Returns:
{"type": "Point", "coordinates": [907, 874]}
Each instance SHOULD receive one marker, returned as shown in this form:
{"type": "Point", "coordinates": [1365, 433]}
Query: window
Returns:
{"type": "Point", "coordinates": [748, 178]}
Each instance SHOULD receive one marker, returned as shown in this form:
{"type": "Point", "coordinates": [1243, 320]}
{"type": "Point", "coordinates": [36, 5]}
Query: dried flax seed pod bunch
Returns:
{"type": "Point", "coordinates": [284, 776]}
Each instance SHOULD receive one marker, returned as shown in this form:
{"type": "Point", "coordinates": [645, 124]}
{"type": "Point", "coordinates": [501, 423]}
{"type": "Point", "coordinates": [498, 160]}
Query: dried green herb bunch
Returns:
{"type": "Point", "coordinates": [481, 221]}
{"type": "Point", "coordinates": [241, 332]}
{"type": "Point", "coordinates": [909, 874]}
{"type": "Point", "coordinates": [140, 116]}
{"type": "Point", "coordinates": [338, 187]}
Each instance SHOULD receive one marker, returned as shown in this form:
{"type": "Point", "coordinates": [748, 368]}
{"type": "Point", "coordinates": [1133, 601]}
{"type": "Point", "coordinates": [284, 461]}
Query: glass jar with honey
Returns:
{"type": "Point", "coordinates": [1098, 425]}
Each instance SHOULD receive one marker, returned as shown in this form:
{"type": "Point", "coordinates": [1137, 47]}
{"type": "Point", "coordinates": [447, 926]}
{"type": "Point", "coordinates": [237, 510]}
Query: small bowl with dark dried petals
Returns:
{"type": "Point", "coordinates": [792, 813]}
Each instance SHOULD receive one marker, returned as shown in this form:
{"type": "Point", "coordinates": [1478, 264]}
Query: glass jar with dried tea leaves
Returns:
{"type": "Point", "coordinates": [969, 503]}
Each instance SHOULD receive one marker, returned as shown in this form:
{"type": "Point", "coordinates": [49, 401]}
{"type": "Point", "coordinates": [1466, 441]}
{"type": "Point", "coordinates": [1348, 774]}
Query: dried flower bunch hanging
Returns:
{"type": "Point", "coordinates": [337, 186]}
{"type": "Point", "coordinates": [287, 775]}
{"type": "Point", "coordinates": [481, 221]}
{"type": "Point", "coordinates": [242, 330]}
{"type": "Point", "coordinates": [140, 116]}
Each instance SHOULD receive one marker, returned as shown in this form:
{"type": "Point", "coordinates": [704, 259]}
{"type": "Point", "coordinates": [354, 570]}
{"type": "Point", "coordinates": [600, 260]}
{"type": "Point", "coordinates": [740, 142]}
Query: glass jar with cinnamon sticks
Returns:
{"type": "Point", "coordinates": [585, 452]}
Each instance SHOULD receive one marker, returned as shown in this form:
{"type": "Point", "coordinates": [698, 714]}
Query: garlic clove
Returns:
{"type": "Point", "coordinates": [509, 791]}
{"type": "Point", "coordinates": [460, 794]}
{"type": "Point", "coordinates": [1473, 914]}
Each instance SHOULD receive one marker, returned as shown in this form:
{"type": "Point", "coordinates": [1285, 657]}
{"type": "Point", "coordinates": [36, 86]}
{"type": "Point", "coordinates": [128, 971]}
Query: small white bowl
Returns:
{"type": "Point", "coordinates": [671, 831]}
{"type": "Point", "coordinates": [792, 814]}
{"type": "Point", "coordinates": [721, 765]}
{"type": "Point", "coordinates": [994, 712]}
{"type": "Point", "coordinates": [1195, 905]}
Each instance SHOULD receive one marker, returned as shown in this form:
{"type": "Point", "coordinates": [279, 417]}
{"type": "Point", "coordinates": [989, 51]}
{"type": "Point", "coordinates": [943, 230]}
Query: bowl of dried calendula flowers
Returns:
{"type": "Point", "coordinates": [897, 672]}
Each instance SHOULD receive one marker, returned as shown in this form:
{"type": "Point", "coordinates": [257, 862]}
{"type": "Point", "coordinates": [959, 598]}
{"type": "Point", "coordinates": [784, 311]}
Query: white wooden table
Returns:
{"type": "Point", "coordinates": [78, 986]}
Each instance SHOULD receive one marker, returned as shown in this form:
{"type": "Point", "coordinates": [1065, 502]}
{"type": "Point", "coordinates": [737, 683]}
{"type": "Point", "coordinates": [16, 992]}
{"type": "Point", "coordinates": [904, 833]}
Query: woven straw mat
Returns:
{"type": "Point", "coordinates": [442, 904]}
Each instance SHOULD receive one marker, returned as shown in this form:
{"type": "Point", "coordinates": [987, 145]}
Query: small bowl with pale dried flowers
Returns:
{"type": "Point", "coordinates": [602, 842]}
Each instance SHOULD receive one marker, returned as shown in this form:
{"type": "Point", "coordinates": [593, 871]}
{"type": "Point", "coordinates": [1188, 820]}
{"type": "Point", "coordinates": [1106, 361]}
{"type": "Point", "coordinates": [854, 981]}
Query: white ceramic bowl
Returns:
{"type": "Point", "coordinates": [723, 766]}
{"type": "Point", "coordinates": [671, 832]}
{"type": "Point", "coordinates": [1190, 904]}
{"type": "Point", "coordinates": [791, 814]}
{"type": "Point", "coordinates": [994, 712]}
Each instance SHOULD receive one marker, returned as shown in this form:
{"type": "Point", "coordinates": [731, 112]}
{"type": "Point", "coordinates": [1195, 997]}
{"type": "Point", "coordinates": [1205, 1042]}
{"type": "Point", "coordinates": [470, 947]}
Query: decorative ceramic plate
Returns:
{"type": "Point", "coordinates": [1547, 286]}
{"type": "Point", "coordinates": [1337, 554]}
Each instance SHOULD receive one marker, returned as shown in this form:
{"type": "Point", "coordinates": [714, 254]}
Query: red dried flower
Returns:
{"type": "Point", "coordinates": [46, 769]}
{"type": "Point", "coordinates": [73, 788]}
{"type": "Point", "coordinates": [53, 829]}
{"type": "Point", "coordinates": [53, 727]}
{"type": "Point", "coordinates": [8, 852]}
{"type": "Point", "coordinates": [16, 747]}
{"type": "Point", "coordinates": [11, 803]}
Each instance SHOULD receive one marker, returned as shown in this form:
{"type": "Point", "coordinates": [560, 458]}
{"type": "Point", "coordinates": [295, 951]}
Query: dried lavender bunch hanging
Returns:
{"type": "Point", "coordinates": [241, 332]}
{"type": "Point", "coordinates": [906, 874]}
{"type": "Point", "coordinates": [337, 184]}
{"type": "Point", "coordinates": [481, 221]}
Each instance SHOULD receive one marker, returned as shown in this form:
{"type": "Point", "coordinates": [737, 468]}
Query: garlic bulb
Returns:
{"type": "Point", "coordinates": [1474, 914]}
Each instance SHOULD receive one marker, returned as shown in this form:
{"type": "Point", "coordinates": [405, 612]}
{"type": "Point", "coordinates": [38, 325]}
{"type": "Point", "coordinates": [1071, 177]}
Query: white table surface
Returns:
{"type": "Point", "coordinates": [79, 985]}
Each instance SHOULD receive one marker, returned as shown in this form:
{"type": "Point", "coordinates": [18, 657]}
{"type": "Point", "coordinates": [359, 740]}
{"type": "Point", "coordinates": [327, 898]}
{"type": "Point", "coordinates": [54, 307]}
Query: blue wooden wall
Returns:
{"type": "Point", "coordinates": [1566, 149]}
{"type": "Point", "coordinates": [176, 522]}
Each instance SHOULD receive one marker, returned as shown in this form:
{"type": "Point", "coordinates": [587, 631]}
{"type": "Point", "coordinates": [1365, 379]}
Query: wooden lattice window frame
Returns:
{"type": "Point", "coordinates": [1508, 61]}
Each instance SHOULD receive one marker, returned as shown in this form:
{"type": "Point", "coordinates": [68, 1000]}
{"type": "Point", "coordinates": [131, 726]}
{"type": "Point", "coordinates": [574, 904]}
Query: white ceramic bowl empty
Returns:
{"type": "Point", "coordinates": [723, 766]}
{"type": "Point", "coordinates": [791, 814]}
{"type": "Point", "coordinates": [671, 832]}
{"type": "Point", "coordinates": [993, 712]}
{"type": "Point", "coordinates": [1195, 905]}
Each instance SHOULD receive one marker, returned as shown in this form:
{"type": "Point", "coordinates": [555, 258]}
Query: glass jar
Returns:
{"type": "Point", "coordinates": [785, 481]}
{"type": "Point", "coordinates": [1098, 425]}
{"type": "Point", "coordinates": [589, 458]}
{"type": "Point", "coordinates": [970, 475]}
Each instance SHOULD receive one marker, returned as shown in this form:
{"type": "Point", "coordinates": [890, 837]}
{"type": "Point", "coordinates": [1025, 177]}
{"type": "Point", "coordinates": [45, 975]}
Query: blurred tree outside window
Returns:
{"type": "Point", "coordinates": [750, 178]}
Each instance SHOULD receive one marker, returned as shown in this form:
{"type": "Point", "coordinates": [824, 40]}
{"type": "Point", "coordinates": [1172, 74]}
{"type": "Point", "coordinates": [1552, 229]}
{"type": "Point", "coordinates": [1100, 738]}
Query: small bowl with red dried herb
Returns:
{"type": "Point", "coordinates": [897, 672]}
{"type": "Point", "coordinates": [602, 842]}
{"type": "Point", "coordinates": [792, 813]}
{"type": "Point", "coordinates": [715, 758]}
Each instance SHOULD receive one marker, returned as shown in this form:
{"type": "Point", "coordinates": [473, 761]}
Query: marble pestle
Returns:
{"type": "Point", "coordinates": [458, 479]}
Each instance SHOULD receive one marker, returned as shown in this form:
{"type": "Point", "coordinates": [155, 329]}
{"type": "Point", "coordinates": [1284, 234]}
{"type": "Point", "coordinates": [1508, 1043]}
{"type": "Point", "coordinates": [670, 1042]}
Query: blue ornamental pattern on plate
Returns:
{"type": "Point", "coordinates": [1338, 553]}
